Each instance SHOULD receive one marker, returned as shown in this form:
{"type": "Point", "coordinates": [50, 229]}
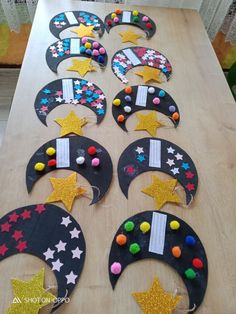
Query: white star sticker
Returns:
{"type": "Point", "coordinates": [75, 102]}
{"type": "Point", "coordinates": [77, 82]}
{"type": "Point", "coordinates": [49, 254]}
{"type": "Point", "coordinates": [61, 246]}
{"type": "Point", "coordinates": [102, 97]}
{"type": "Point", "coordinates": [57, 265]}
{"type": "Point", "coordinates": [66, 221]}
{"type": "Point", "coordinates": [170, 162]}
{"type": "Point", "coordinates": [89, 84]}
{"type": "Point", "coordinates": [139, 150]}
{"type": "Point", "coordinates": [78, 91]}
{"type": "Point", "coordinates": [99, 106]}
{"type": "Point", "coordinates": [75, 233]}
{"type": "Point", "coordinates": [71, 277]}
{"type": "Point", "coordinates": [76, 253]}
{"type": "Point", "coordinates": [52, 47]}
{"type": "Point", "coordinates": [175, 170]}
{"type": "Point", "coordinates": [59, 99]}
{"type": "Point", "coordinates": [179, 157]}
{"type": "Point", "coordinates": [170, 150]}
{"type": "Point", "coordinates": [55, 55]}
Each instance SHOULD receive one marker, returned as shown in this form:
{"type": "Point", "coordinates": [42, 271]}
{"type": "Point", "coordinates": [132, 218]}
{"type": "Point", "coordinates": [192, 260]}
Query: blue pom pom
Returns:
{"type": "Point", "coordinates": [190, 240]}
{"type": "Point", "coordinates": [162, 93]}
{"type": "Point", "coordinates": [82, 49]}
{"type": "Point", "coordinates": [128, 98]}
{"type": "Point", "coordinates": [88, 51]}
{"type": "Point", "coordinates": [101, 59]}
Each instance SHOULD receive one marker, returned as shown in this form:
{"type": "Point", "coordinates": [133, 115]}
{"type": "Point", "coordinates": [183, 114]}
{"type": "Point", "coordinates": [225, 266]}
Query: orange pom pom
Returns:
{"type": "Point", "coordinates": [118, 11]}
{"type": "Point", "coordinates": [120, 118]}
{"type": "Point", "coordinates": [176, 251]}
{"type": "Point", "coordinates": [121, 239]}
{"type": "Point", "coordinates": [128, 90]}
{"type": "Point", "coordinates": [175, 116]}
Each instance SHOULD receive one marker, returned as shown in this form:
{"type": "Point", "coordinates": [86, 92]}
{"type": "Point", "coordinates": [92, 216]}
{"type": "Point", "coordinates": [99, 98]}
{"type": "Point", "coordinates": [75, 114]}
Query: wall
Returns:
{"type": "Point", "coordinates": [187, 4]}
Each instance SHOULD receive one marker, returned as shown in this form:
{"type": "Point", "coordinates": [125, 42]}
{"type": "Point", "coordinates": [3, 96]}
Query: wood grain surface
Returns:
{"type": "Point", "coordinates": [206, 132]}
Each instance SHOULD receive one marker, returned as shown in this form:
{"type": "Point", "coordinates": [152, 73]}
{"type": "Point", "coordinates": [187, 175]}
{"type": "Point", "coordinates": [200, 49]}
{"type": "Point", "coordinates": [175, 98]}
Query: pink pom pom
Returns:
{"type": "Point", "coordinates": [95, 52]}
{"type": "Point", "coordinates": [102, 51]}
{"type": "Point", "coordinates": [116, 19]}
{"type": "Point", "coordinates": [156, 101]}
{"type": "Point", "coordinates": [95, 162]}
{"type": "Point", "coordinates": [95, 44]}
{"type": "Point", "coordinates": [84, 40]}
{"type": "Point", "coordinates": [145, 18]}
{"type": "Point", "coordinates": [115, 268]}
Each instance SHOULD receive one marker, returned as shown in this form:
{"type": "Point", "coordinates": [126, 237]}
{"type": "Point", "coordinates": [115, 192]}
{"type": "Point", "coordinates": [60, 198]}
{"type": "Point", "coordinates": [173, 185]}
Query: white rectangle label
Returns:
{"type": "Point", "coordinates": [141, 98]}
{"type": "Point", "coordinates": [126, 17]}
{"type": "Point", "coordinates": [158, 233]}
{"type": "Point", "coordinates": [63, 152]}
{"type": "Point", "coordinates": [155, 154]}
{"type": "Point", "coordinates": [71, 18]}
{"type": "Point", "coordinates": [131, 56]}
{"type": "Point", "coordinates": [67, 89]}
{"type": "Point", "coordinates": [74, 45]}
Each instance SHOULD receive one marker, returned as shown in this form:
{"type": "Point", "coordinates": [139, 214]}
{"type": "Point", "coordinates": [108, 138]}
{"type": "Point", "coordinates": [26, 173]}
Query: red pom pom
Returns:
{"type": "Point", "coordinates": [92, 150]}
{"type": "Point", "coordinates": [149, 25]}
{"type": "Point", "coordinates": [197, 263]}
{"type": "Point", "coordinates": [52, 162]}
{"type": "Point", "coordinates": [109, 22]}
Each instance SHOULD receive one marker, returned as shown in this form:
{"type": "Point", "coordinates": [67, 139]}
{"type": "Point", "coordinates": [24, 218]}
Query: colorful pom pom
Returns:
{"type": "Point", "coordinates": [190, 241]}
{"type": "Point", "coordinates": [95, 44]}
{"type": "Point", "coordinates": [82, 49]}
{"type": "Point", "coordinates": [84, 40]}
{"type": "Point", "coordinates": [121, 118]}
{"type": "Point", "coordinates": [52, 163]}
{"type": "Point", "coordinates": [116, 19]}
{"type": "Point", "coordinates": [116, 268]}
{"type": "Point", "coordinates": [129, 226]}
{"type": "Point", "coordinates": [51, 151]}
{"type": "Point", "coordinates": [151, 90]}
{"type": "Point", "coordinates": [135, 13]}
{"type": "Point", "coordinates": [174, 225]}
{"type": "Point", "coordinates": [135, 19]}
{"type": "Point", "coordinates": [128, 98]}
{"type": "Point", "coordinates": [101, 59]}
{"type": "Point", "coordinates": [102, 50]}
{"type": "Point", "coordinates": [145, 227]}
{"type": "Point", "coordinates": [149, 25]}
{"type": "Point", "coordinates": [128, 90]}
{"type": "Point", "coordinates": [88, 51]}
{"type": "Point", "coordinates": [95, 162]}
{"type": "Point", "coordinates": [156, 101]}
{"type": "Point", "coordinates": [162, 93]}
{"type": "Point", "coordinates": [116, 102]}
{"type": "Point", "coordinates": [176, 251]}
{"type": "Point", "coordinates": [127, 109]}
{"type": "Point", "coordinates": [175, 116]}
{"type": "Point", "coordinates": [172, 108]}
{"type": "Point", "coordinates": [113, 15]}
{"type": "Point", "coordinates": [134, 248]}
{"type": "Point", "coordinates": [87, 45]}
{"type": "Point", "coordinates": [39, 166]}
{"type": "Point", "coordinates": [80, 160]}
{"type": "Point", "coordinates": [92, 150]}
{"type": "Point", "coordinates": [145, 18]}
{"type": "Point", "coordinates": [190, 274]}
{"type": "Point", "coordinates": [197, 263]}
{"type": "Point", "coordinates": [95, 52]}
{"type": "Point", "coordinates": [118, 11]}
{"type": "Point", "coordinates": [109, 22]}
{"type": "Point", "coordinates": [121, 239]}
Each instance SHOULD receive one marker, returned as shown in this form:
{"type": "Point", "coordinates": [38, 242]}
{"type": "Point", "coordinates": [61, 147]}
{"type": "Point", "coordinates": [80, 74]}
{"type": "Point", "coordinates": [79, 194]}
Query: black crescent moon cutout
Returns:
{"type": "Point", "coordinates": [159, 242]}
{"type": "Point", "coordinates": [51, 234]}
{"type": "Point", "coordinates": [126, 17]}
{"type": "Point", "coordinates": [71, 47]}
{"type": "Point", "coordinates": [68, 149]}
{"type": "Point", "coordinates": [143, 98]}
{"type": "Point", "coordinates": [152, 154]}
{"type": "Point", "coordinates": [74, 91]}
{"type": "Point", "coordinates": [130, 57]}
{"type": "Point", "coordinates": [63, 20]}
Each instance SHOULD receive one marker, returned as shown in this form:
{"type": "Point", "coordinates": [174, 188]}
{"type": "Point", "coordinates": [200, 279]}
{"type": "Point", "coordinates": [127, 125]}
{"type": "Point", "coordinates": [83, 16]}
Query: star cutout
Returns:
{"type": "Point", "coordinates": [57, 265]}
{"type": "Point", "coordinates": [13, 217]}
{"type": "Point", "coordinates": [30, 290]}
{"type": "Point", "coordinates": [189, 175]}
{"type": "Point", "coordinates": [162, 191]}
{"type": "Point", "coordinates": [61, 246]}
{"type": "Point", "coordinates": [170, 150]}
{"type": "Point", "coordinates": [40, 208]}
{"type": "Point", "coordinates": [71, 124]}
{"type": "Point", "coordinates": [22, 245]}
{"type": "Point", "coordinates": [71, 278]}
{"type": "Point", "coordinates": [170, 162]}
{"type": "Point", "coordinates": [139, 150]}
{"type": "Point", "coordinates": [3, 249]}
{"type": "Point", "coordinates": [129, 36]}
{"type": "Point", "coordinates": [49, 254]}
{"type": "Point", "coordinates": [175, 171]}
{"type": "Point", "coordinates": [75, 233]}
{"type": "Point", "coordinates": [179, 156]}
{"type": "Point", "coordinates": [65, 190]}
{"type": "Point", "coordinates": [185, 165]}
{"type": "Point", "coordinates": [156, 300]}
{"type": "Point", "coordinates": [17, 235]}
{"type": "Point", "coordinates": [190, 187]}
{"type": "Point", "coordinates": [148, 122]}
{"type": "Point", "coordinates": [150, 74]}
{"type": "Point", "coordinates": [76, 253]}
{"type": "Point", "coordinates": [141, 158]}
{"type": "Point", "coordinates": [83, 31]}
{"type": "Point", "coordinates": [82, 66]}
{"type": "Point", "coordinates": [66, 221]}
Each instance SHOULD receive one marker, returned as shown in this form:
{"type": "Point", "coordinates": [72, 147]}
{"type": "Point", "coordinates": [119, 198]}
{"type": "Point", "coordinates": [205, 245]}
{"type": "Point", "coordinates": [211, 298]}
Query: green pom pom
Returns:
{"type": "Point", "coordinates": [129, 226]}
{"type": "Point", "coordinates": [134, 248]}
{"type": "Point", "coordinates": [190, 274]}
{"type": "Point", "coordinates": [135, 19]}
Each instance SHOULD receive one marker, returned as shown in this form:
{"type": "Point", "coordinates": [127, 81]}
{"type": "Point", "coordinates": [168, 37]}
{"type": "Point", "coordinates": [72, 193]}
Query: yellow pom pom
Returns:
{"type": "Point", "coordinates": [113, 15]}
{"type": "Point", "coordinates": [39, 166]}
{"type": "Point", "coordinates": [174, 225]}
{"type": "Point", "coordinates": [87, 45]}
{"type": "Point", "coordinates": [145, 226]}
{"type": "Point", "coordinates": [50, 151]}
{"type": "Point", "coordinates": [135, 13]}
{"type": "Point", "coordinates": [116, 102]}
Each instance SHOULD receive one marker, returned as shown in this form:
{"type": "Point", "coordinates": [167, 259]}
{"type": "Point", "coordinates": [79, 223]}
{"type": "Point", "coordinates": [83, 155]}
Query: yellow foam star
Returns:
{"type": "Point", "coordinates": [129, 36]}
{"type": "Point", "coordinates": [83, 31]}
{"type": "Point", "coordinates": [65, 190]}
{"type": "Point", "coordinates": [162, 191]}
{"type": "Point", "coordinates": [148, 122]}
{"type": "Point", "coordinates": [156, 300]}
{"type": "Point", "coordinates": [82, 66]}
{"type": "Point", "coordinates": [30, 296]}
{"type": "Point", "coordinates": [71, 124]}
{"type": "Point", "coordinates": [150, 74]}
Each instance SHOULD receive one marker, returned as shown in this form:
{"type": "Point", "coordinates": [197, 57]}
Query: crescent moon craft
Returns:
{"type": "Point", "coordinates": [130, 57]}
{"type": "Point", "coordinates": [74, 91]}
{"type": "Point", "coordinates": [51, 234]}
{"type": "Point", "coordinates": [164, 237]}
{"type": "Point", "coordinates": [65, 155]}
{"type": "Point", "coordinates": [135, 98]}
{"type": "Point", "coordinates": [74, 47]}
{"type": "Point", "coordinates": [63, 20]}
{"type": "Point", "coordinates": [134, 18]}
{"type": "Point", "coordinates": [151, 154]}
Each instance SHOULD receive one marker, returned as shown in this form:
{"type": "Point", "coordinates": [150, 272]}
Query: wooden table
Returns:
{"type": "Point", "coordinates": [207, 132]}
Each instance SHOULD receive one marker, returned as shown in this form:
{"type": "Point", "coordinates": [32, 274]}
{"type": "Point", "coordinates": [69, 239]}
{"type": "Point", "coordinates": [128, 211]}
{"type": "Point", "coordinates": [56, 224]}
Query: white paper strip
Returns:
{"type": "Point", "coordinates": [126, 16]}
{"type": "Point", "coordinates": [131, 56]}
{"type": "Point", "coordinates": [158, 233]}
{"type": "Point", "coordinates": [71, 18]}
{"type": "Point", "coordinates": [63, 152]}
{"type": "Point", "coordinates": [141, 98]}
{"type": "Point", "coordinates": [67, 89]}
{"type": "Point", "coordinates": [74, 45]}
{"type": "Point", "coordinates": [155, 154]}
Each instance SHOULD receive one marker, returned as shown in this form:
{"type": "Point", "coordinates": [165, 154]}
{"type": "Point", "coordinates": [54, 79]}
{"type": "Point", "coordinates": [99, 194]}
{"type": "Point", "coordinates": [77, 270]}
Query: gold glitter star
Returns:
{"type": "Point", "coordinates": [82, 66]}
{"type": "Point", "coordinates": [150, 74]}
{"type": "Point", "coordinates": [129, 36]}
{"type": "Point", "coordinates": [162, 191]}
{"type": "Point", "coordinates": [156, 300]}
{"type": "Point", "coordinates": [148, 122]}
{"type": "Point", "coordinates": [83, 31]}
{"type": "Point", "coordinates": [65, 190]}
{"type": "Point", "coordinates": [33, 290]}
{"type": "Point", "coordinates": [71, 124]}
